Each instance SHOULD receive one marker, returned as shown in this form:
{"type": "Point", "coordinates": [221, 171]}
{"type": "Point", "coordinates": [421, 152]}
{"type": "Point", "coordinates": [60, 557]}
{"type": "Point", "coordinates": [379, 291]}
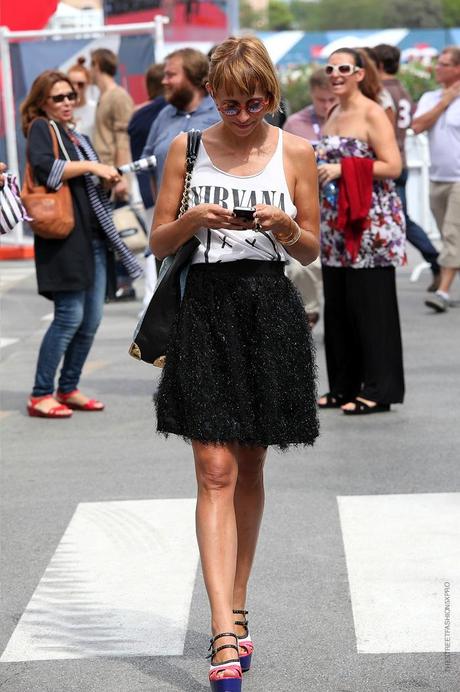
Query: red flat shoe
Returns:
{"type": "Point", "coordinates": [91, 404]}
{"type": "Point", "coordinates": [59, 411]}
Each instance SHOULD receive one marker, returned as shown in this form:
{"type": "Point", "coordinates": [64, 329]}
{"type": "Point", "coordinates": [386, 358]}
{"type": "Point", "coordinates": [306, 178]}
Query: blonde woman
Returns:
{"type": "Point", "coordinates": [239, 372]}
{"type": "Point", "coordinates": [84, 113]}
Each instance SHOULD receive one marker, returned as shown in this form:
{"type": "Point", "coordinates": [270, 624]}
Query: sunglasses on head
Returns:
{"type": "Point", "coordinates": [344, 69]}
{"type": "Point", "coordinates": [252, 107]}
{"type": "Point", "coordinates": [59, 98]}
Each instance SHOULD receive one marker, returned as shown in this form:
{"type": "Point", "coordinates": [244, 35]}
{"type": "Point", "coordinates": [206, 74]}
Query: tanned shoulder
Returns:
{"type": "Point", "coordinates": [295, 146]}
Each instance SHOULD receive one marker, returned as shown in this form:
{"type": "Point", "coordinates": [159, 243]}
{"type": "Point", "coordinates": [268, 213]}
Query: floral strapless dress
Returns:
{"type": "Point", "coordinates": [383, 240]}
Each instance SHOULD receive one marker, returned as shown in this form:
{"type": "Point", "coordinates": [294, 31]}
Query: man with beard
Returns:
{"type": "Point", "coordinates": [189, 107]}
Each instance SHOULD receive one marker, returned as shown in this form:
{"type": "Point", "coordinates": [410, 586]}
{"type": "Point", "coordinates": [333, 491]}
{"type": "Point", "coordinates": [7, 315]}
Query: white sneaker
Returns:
{"type": "Point", "coordinates": [437, 302]}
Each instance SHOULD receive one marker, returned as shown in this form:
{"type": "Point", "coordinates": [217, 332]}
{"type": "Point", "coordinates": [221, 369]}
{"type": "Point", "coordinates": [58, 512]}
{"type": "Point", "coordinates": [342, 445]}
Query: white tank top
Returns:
{"type": "Point", "coordinates": [210, 185]}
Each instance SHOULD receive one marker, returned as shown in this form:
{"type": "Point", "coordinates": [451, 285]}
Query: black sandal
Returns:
{"type": "Point", "coordinates": [363, 409]}
{"type": "Point", "coordinates": [244, 642]}
{"type": "Point", "coordinates": [231, 683]}
{"type": "Point", "coordinates": [332, 400]}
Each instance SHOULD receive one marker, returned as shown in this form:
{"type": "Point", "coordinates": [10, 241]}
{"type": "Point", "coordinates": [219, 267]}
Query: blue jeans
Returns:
{"type": "Point", "coordinates": [414, 233]}
{"type": "Point", "coordinates": [77, 315]}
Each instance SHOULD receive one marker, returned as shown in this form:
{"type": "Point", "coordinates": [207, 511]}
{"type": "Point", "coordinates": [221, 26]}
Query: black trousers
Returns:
{"type": "Point", "coordinates": [363, 334]}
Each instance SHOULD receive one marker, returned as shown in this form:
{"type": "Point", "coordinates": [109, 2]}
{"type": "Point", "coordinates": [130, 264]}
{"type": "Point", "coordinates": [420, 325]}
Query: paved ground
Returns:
{"type": "Point", "coordinates": [357, 577]}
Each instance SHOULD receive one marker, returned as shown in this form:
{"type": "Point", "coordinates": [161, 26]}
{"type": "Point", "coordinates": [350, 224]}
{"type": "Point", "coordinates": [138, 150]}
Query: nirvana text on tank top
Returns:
{"type": "Point", "coordinates": [210, 185]}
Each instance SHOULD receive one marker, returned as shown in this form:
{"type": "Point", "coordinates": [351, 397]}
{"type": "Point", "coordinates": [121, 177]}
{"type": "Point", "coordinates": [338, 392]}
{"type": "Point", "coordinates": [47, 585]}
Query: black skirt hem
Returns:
{"type": "Point", "coordinates": [281, 446]}
{"type": "Point", "coordinates": [189, 437]}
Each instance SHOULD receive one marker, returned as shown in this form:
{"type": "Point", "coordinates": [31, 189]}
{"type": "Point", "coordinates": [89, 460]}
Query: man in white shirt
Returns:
{"type": "Point", "coordinates": [438, 112]}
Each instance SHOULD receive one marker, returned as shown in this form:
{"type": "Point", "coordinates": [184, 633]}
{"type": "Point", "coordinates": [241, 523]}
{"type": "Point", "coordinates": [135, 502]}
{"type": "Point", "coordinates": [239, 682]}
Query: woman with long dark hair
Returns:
{"type": "Point", "coordinates": [362, 242]}
{"type": "Point", "coordinates": [71, 272]}
{"type": "Point", "coordinates": [239, 372]}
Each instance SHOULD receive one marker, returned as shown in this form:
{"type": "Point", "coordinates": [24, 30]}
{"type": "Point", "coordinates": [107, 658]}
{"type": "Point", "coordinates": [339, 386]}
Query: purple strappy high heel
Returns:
{"type": "Point", "coordinates": [244, 642]}
{"type": "Point", "coordinates": [222, 683]}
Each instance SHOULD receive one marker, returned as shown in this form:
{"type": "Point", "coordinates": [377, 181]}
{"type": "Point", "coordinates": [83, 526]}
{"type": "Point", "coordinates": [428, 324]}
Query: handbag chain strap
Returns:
{"type": "Point", "coordinates": [193, 144]}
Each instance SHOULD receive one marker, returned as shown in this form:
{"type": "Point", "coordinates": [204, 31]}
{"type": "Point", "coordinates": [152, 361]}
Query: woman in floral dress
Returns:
{"type": "Point", "coordinates": [362, 242]}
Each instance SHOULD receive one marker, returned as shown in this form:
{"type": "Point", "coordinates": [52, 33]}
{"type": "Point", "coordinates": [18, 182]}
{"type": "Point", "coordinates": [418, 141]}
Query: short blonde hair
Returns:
{"type": "Point", "coordinates": [245, 65]}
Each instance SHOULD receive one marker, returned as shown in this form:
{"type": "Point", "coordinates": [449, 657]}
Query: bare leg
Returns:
{"type": "Point", "coordinates": [447, 276]}
{"type": "Point", "coordinates": [249, 507]}
{"type": "Point", "coordinates": [216, 471]}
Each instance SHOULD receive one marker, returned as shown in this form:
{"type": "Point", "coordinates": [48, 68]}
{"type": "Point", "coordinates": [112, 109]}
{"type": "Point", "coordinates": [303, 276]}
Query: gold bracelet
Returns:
{"type": "Point", "coordinates": [292, 237]}
{"type": "Point", "coordinates": [284, 238]}
{"type": "Point", "coordinates": [295, 237]}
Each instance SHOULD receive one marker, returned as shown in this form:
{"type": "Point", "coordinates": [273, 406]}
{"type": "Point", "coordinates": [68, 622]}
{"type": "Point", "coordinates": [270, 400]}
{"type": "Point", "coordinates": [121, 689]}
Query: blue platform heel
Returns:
{"type": "Point", "coordinates": [226, 676]}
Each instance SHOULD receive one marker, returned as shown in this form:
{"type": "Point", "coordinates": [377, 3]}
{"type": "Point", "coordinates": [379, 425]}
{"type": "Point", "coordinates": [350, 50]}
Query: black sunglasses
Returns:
{"type": "Point", "coordinates": [59, 98]}
{"type": "Point", "coordinates": [80, 85]}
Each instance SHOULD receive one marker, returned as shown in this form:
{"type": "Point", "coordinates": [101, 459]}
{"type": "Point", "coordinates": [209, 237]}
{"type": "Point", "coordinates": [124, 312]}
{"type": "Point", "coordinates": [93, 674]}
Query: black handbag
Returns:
{"type": "Point", "coordinates": [152, 333]}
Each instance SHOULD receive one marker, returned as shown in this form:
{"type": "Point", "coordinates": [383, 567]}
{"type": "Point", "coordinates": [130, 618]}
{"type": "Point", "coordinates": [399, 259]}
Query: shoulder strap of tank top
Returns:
{"type": "Point", "coordinates": [278, 154]}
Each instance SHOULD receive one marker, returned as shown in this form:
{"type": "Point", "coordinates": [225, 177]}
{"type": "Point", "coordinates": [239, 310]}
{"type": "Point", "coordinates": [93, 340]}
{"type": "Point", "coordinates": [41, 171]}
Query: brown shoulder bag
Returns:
{"type": "Point", "coordinates": [51, 211]}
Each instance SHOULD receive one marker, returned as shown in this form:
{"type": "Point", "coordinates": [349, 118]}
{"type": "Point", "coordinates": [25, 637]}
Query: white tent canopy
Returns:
{"type": "Point", "coordinates": [391, 36]}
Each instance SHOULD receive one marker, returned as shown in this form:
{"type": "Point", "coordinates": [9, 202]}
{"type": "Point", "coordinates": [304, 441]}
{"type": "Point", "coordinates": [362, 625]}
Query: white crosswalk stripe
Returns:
{"type": "Point", "coordinates": [403, 560]}
{"type": "Point", "coordinates": [11, 273]}
{"type": "Point", "coordinates": [7, 342]}
{"type": "Point", "coordinates": [119, 584]}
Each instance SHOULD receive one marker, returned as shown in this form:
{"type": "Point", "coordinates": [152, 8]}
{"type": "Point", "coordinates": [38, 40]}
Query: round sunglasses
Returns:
{"type": "Point", "coordinates": [252, 107]}
{"type": "Point", "coordinates": [59, 98]}
{"type": "Point", "coordinates": [345, 69]}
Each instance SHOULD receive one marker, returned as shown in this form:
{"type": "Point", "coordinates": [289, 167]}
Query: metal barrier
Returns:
{"type": "Point", "coordinates": [418, 191]}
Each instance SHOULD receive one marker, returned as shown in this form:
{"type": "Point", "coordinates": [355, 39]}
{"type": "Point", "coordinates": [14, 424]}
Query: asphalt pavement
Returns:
{"type": "Point", "coordinates": [357, 577]}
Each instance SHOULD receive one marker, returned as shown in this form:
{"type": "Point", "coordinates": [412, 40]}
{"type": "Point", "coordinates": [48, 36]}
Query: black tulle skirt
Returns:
{"type": "Point", "coordinates": [240, 362]}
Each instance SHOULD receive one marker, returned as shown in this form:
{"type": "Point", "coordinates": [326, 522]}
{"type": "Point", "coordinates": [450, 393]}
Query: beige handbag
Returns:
{"type": "Point", "coordinates": [131, 228]}
{"type": "Point", "coordinates": [51, 211]}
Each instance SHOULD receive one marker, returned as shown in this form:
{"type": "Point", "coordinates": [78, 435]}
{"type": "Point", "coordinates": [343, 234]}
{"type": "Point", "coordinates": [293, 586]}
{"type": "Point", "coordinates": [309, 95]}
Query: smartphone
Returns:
{"type": "Point", "coordinates": [246, 213]}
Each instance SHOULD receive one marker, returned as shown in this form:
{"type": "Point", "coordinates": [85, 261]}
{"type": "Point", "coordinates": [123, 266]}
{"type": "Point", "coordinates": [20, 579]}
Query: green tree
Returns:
{"type": "Point", "coordinates": [280, 16]}
{"type": "Point", "coordinates": [337, 14]}
{"type": "Point", "coordinates": [369, 14]}
{"type": "Point", "coordinates": [249, 18]}
{"type": "Point", "coordinates": [305, 15]}
{"type": "Point", "coordinates": [416, 14]}
{"type": "Point", "coordinates": [451, 12]}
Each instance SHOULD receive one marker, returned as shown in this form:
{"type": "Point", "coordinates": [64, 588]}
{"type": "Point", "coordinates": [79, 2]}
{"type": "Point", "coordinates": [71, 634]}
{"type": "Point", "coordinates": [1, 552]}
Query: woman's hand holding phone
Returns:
{"type": "Point", "coordinates": [270, 218]}
{"type": "Point", "coordinates": [244, 218]}
{"type": "Point", "coordinates": [210, 216]}
{"type": "Point", "coordinates": [215, 217]}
